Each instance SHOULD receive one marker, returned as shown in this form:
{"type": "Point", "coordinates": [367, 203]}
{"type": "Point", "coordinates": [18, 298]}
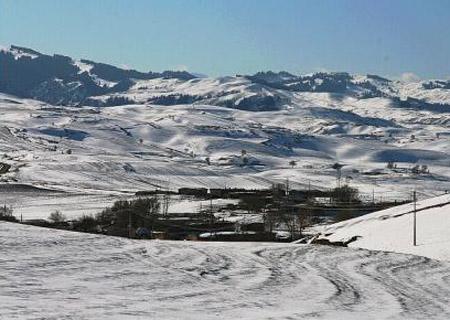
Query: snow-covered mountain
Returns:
{"type": "Point", "coordinates": [62, 80]}
{"type": "Point", "coordinates": [80, 125]}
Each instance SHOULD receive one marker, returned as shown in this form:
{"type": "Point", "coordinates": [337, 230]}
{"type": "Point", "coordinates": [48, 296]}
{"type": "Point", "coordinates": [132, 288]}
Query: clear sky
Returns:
{"type": "Point", "coordinates": [225, 37]}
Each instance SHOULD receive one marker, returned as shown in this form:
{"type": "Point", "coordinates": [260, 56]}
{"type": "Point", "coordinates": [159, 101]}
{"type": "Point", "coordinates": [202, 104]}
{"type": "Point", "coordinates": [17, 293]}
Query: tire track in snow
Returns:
{"type": "Point", "coordinates": [53, 274]}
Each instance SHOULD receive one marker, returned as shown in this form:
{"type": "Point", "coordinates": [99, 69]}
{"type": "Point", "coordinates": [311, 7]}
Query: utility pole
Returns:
{"type": "Point", "coordinates": [211, 217]}
{"type": "Point", "coordinates": [415, 219]}
{"type": "Point", "coordinates": [129, 224]}
{"type": "Point", "coordinates": [309, 189]}
{"type": "Point", "coordinates": [287, 187]}
{"type": "Point", "coordinates": [165, 209]}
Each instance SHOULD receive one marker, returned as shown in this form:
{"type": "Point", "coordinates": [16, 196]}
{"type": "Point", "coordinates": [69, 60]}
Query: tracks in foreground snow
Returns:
{"type": "Point", "coordinates": [61, 275]}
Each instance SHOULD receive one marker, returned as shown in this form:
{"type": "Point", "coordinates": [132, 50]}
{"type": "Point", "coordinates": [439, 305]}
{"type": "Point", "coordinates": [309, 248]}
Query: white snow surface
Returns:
{"type": "Point", "coordinates": [52, 274]}
{"type": "Point", "coordinates": [124, 149]}
{"type": "Point", "coordinates": [142, 147]}
{"type": "Point", "coordinates": [392, 229]}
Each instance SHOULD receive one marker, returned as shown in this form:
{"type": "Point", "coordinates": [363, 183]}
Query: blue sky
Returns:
{"type": "Point", "coordinates": [225, 37]}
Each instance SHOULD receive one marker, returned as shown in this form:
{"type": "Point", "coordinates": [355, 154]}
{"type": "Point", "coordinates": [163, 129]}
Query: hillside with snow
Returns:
{"type": "Point", "coordinates": [392, 229]}
{"type": "Point", "coordinates": [51, 274]}
{"type": "Point", "coordinates": [89, 128]}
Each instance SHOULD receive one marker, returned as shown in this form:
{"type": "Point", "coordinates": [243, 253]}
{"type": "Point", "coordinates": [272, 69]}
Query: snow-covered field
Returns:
{"type": "Point", "coordinates": [142, 147]}
{"type": "Point", "coordinates": [51, 274]}
{"type": "Point", "coordinates": [392, 229]}
{"type": "Point", "coordinates": [33, 205]}
{"type": "Point", "coordinates": [135, 131]}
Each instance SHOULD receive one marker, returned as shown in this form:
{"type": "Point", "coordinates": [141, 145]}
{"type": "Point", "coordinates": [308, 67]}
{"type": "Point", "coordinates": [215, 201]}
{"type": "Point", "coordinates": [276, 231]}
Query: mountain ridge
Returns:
{"type": "Point", "coordinates": [62, 80]}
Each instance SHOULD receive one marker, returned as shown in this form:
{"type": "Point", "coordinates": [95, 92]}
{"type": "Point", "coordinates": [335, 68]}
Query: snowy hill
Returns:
{"type": "Point", "coordinates": [62, 80]}
{"type": "Point", "coordinates": [51, 274]}
{"type": "Point", "coordinates": [392, 229]}
{"type": "Point", "coordinates": [141, 147]}
{"type": "Point", "coordinates": [95, 128]}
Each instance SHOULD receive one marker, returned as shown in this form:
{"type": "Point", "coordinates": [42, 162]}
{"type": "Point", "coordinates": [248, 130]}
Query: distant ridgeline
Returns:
{"type": "Point", "coordinates": [60, 80]}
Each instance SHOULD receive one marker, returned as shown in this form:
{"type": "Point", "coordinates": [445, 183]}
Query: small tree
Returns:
{"type": "Point", "coordinates": [6, 214]}
{"type": "Point", "coordinates": [86, 223]}
{"type": "Point", "coordinates": [338, 167]}
{"type": "Point", "coordinates": [345, 194]}
{"type": "Point", "coordinates": [424, 169]}
{"type": "Point", "coordinates": [57, 217]}
{"type": "Point", "coordinates": [292, 221]}
{"type": "Point", "coordinates": [126, 214]}
{"type": "Point", "coordinates": [292, 163]}
{"type": "Point", "coordinates": [253, 203]}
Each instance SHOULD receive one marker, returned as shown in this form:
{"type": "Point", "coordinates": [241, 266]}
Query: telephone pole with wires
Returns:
{"type": "Point", "coordinates": [129, 225]}
{"type": "Point", "coordinates": [414, 219]}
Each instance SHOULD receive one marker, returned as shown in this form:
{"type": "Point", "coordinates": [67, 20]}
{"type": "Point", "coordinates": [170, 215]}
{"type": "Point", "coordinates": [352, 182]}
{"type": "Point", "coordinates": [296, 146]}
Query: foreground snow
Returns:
{"type": "Point", "coordinates": [50, 274]}
{"type": "Point", "coordinates": [392, 229]}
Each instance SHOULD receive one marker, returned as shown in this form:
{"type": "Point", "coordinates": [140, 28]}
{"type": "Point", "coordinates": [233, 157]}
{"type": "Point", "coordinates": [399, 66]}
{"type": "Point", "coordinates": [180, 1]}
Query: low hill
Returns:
{"type": "Point", "coordinates": [392, 229]}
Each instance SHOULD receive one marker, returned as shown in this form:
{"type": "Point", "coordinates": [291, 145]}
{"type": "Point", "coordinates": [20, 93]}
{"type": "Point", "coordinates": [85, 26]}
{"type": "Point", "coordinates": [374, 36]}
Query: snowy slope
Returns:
{"type": "Point", "coordinates": [111, 131]}
{"type": "Point", "coordinates": [50, 274]}
{"type": "Point", "coordinates": [392, 229]}
{"type": "Point", "coordinates": [141, 147]}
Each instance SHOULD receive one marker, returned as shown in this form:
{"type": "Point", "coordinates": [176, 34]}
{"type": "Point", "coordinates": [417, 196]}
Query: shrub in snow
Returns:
{"type": "Point", "coordinates": [6, 214]}
{"type": "Point", "coordinates": [345, 194]}
{"type": "Point", "coordinates": [86, 223]}
{"type": "Point", "coordinates": [128, 213]}
{"type": "Point", "coordinates": [390, 165]}
{"type": "Point", "coordinates": [57, 217]}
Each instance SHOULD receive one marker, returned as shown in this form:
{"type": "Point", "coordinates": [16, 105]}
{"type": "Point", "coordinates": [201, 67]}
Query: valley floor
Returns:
{"type": "Point", "coordinates": [52, 274]}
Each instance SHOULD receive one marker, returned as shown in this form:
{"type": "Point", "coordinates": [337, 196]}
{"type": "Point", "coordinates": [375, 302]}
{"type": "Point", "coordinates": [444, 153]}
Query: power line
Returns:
{"type": "Point", "coordinates": [415, 219]}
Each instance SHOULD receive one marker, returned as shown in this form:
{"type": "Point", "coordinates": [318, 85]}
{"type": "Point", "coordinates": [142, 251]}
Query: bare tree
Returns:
{"type": "Point", "coordinates": [57, 217]}
{"type": "Point", "coordinates": [292, 163]}
{"type": "Point", "coordinates": [338, 167]}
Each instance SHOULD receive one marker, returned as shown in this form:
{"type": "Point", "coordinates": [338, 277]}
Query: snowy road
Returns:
{"type": "Point", "coordinates": [49, 274]}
